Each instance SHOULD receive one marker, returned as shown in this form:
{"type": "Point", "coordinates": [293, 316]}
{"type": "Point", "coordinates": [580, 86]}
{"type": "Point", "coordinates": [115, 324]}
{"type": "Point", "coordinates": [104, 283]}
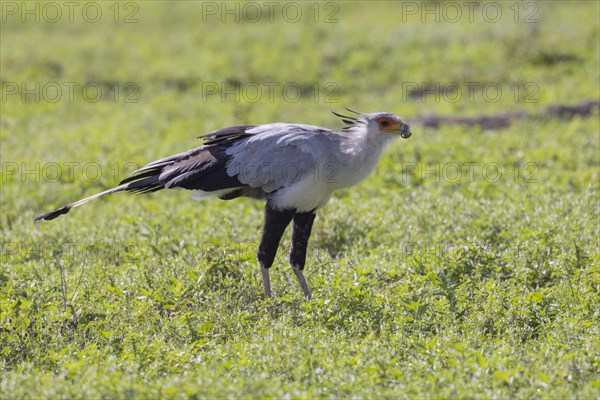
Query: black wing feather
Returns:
{"type": "Point", "coordinates": [203, 168]}
{"type": "Point", "coordinates": [227, 135]}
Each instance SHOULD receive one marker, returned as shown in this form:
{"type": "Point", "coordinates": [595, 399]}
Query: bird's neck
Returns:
{"type": "Point", "coordinates": [360, 156]}
{"type": "Point", "coordinates": [365, 144]}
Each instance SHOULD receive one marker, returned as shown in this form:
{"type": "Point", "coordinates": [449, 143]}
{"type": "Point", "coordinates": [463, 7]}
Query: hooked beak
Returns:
{"type": "Point", "coordinates": [405, 131]}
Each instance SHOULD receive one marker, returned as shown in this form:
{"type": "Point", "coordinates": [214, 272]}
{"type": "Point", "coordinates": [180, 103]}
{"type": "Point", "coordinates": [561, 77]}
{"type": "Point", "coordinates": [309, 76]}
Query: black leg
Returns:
{"type": "Point", "coordinates": [303, 223]}
{"type": "Point", "coordinates": [275, 223]}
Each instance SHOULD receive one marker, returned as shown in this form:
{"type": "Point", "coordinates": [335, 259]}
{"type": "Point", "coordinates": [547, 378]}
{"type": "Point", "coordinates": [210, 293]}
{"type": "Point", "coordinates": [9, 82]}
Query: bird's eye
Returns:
{"type": "Point", "coordinates": [385, 123]}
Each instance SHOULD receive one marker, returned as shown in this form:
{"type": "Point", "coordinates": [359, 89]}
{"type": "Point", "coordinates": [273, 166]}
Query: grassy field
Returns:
{"type": "Point", "coordinates": [467, 266]}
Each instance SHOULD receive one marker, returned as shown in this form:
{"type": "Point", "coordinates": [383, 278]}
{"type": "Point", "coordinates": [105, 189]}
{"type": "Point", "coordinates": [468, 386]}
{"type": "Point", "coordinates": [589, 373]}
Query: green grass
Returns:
{"type": "Point", "coordinates": [425, 285]}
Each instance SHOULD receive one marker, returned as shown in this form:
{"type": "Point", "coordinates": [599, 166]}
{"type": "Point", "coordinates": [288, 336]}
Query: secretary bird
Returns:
{"type": "Point", "coordinates": [294, 167]}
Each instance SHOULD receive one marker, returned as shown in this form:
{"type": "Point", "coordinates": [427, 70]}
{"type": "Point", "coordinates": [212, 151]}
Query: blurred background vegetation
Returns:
{"type": "Point", "coordinates": [92, 89]}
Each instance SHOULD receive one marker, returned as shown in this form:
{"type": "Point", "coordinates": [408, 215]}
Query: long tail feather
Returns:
{"type": "Point", "coordinates": [203, 168]}
{"type": "Point", "coordinates": [64, 210]}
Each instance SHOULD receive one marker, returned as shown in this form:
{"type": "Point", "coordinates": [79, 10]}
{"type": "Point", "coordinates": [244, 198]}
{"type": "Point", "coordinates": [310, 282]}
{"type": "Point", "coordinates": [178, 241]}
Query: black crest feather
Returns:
{"type": "Point", "coordinates": [350, 121]}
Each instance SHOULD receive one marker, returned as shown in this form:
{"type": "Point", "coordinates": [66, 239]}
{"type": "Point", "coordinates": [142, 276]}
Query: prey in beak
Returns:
{"type": "Point", "coordinates": [405, 131]}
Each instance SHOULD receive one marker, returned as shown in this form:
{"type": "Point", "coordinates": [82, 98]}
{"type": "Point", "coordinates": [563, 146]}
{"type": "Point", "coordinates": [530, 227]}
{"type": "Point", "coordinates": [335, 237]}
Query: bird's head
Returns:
{"type": "Point", "coordinates": [377, 123]}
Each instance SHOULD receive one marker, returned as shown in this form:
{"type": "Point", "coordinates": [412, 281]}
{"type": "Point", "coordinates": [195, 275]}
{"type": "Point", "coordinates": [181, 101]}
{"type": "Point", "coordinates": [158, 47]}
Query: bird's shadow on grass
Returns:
{"type": "Point", "coordinates": [337, 237]}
